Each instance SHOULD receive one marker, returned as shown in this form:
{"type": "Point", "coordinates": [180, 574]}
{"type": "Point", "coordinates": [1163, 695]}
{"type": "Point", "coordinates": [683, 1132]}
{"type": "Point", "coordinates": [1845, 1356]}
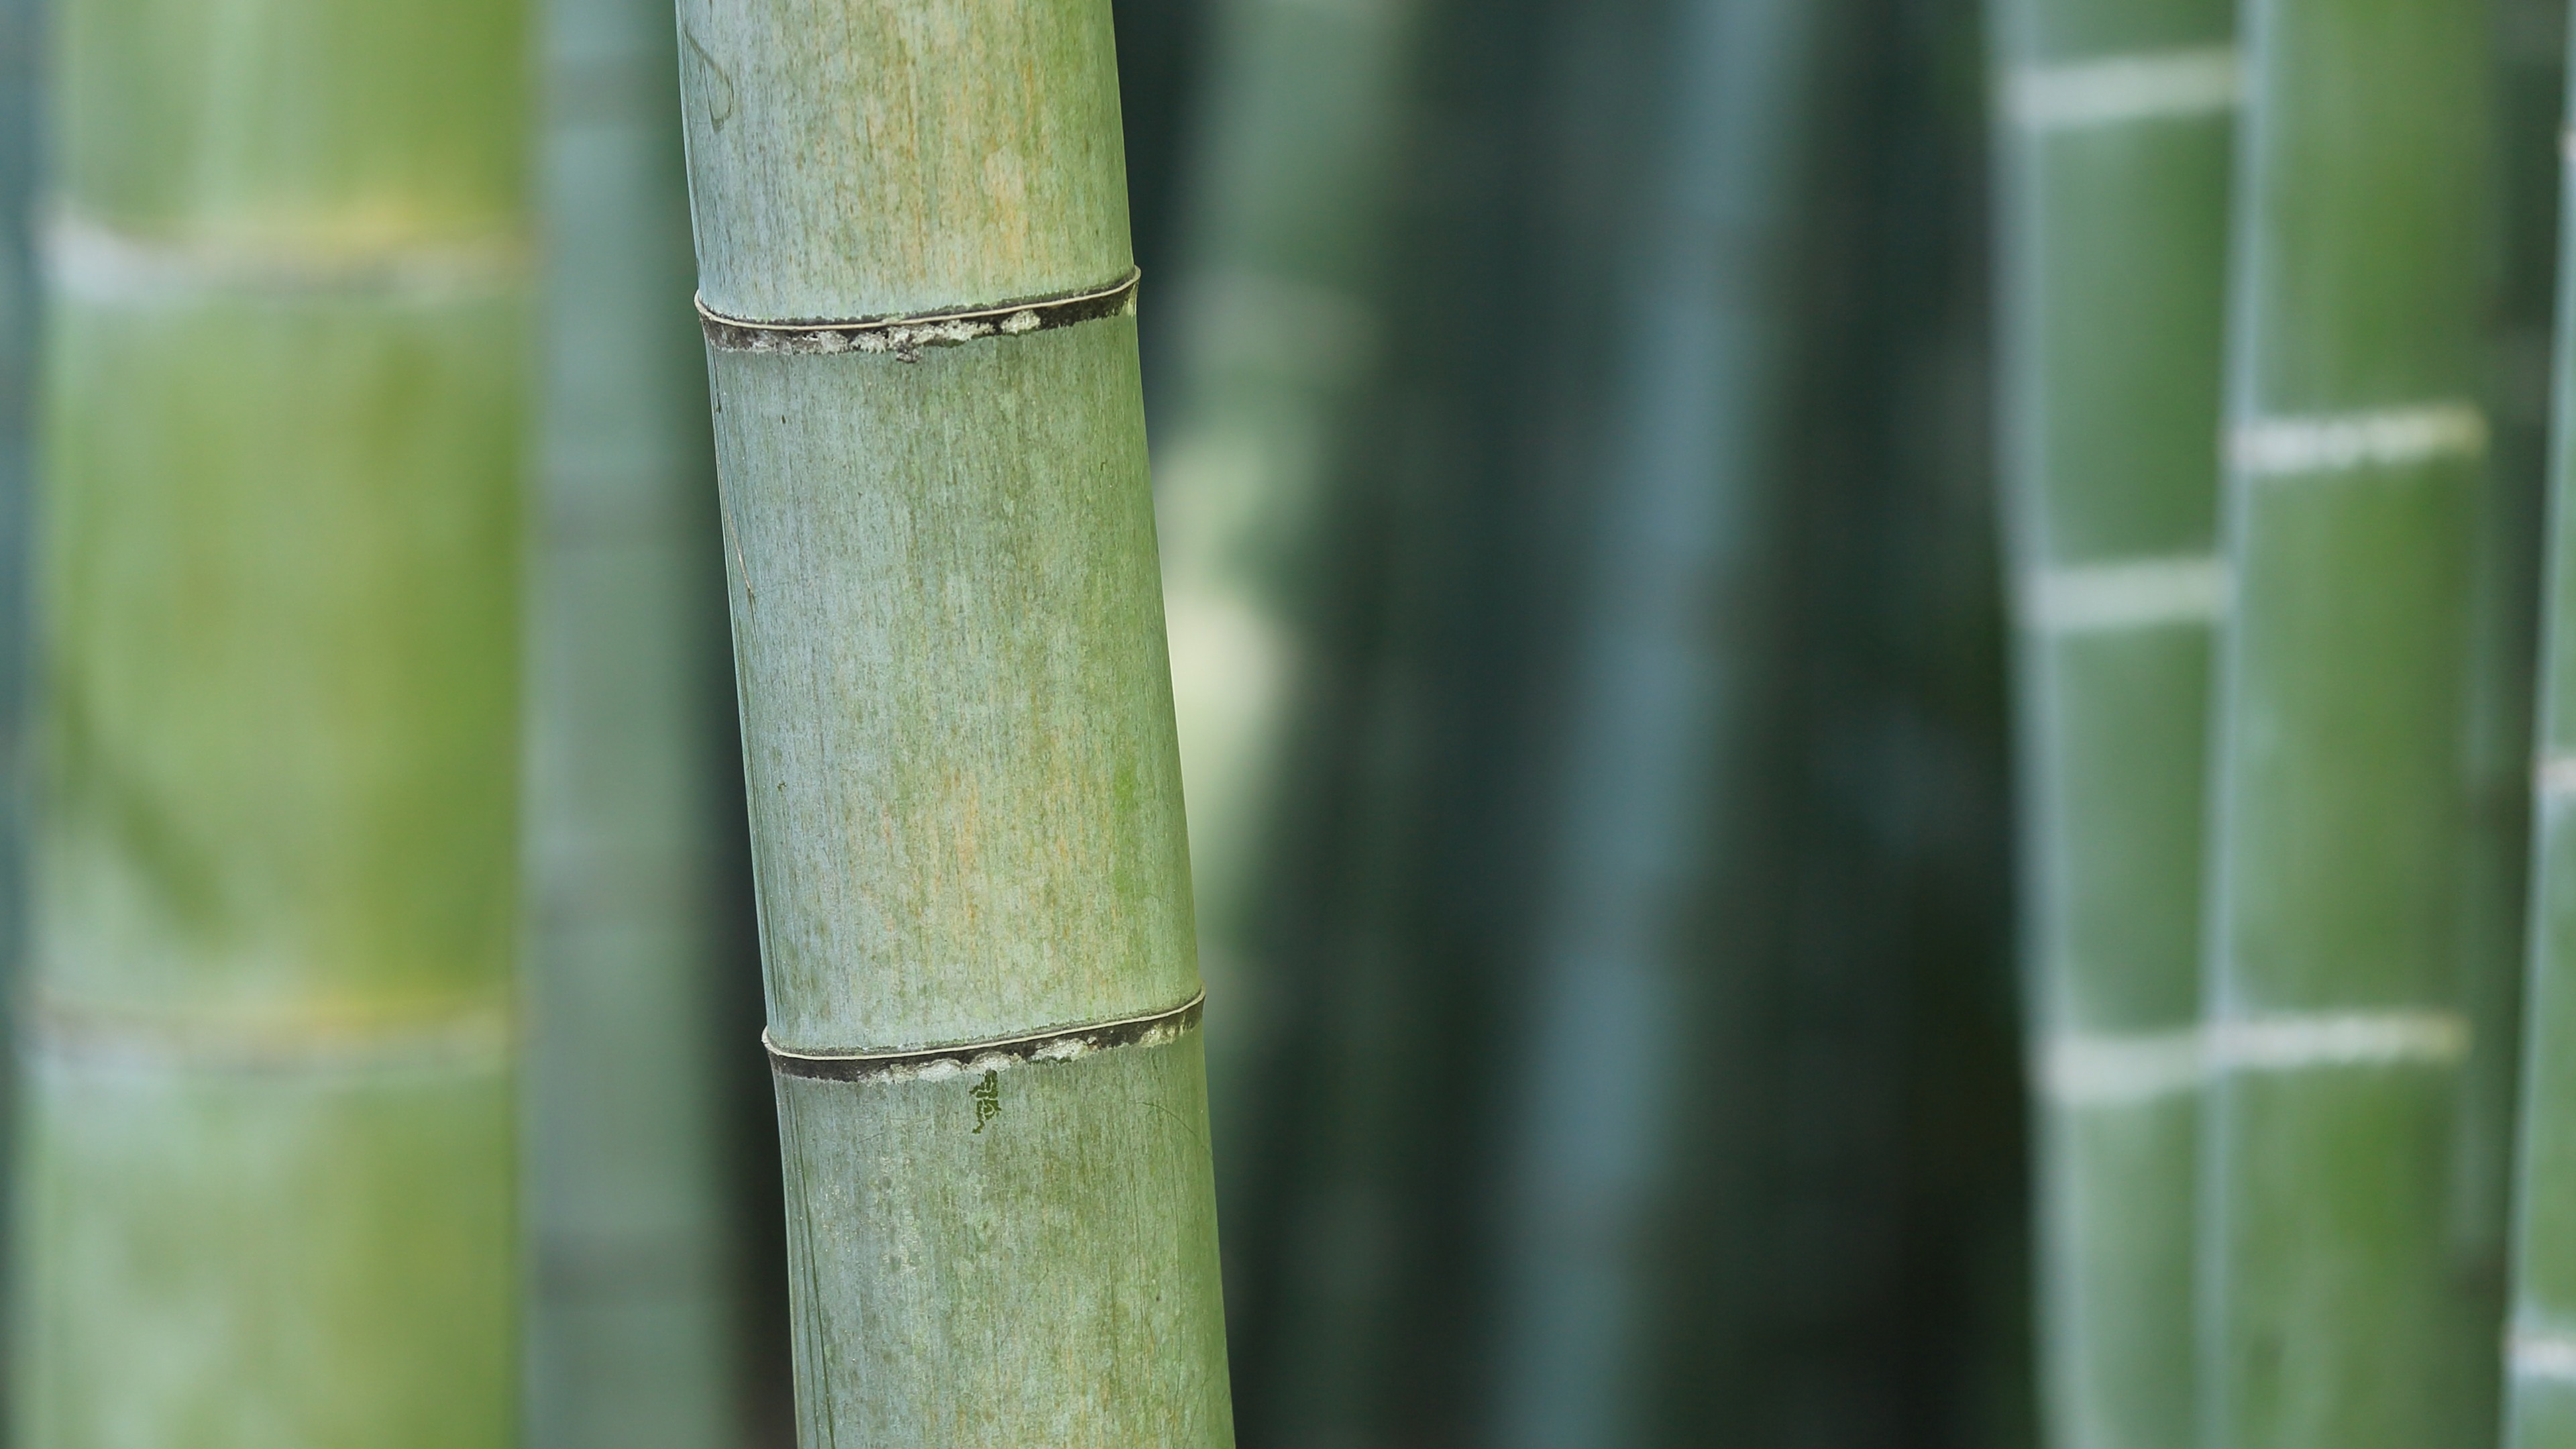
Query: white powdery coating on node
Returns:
{"type": "Point", "coordinates": [2390, 438]}
{"type": "Point", "coordinates": [2339, 1039]}
{"type": "Point", "coordinates": [2542, 1354]}
{"type": "Point", "coordinates": [2083, 1069]}
{"type": "Point", "coordinates": [2554, 778]}
{"type": "Point", "coordinates": [2128, 594]}
{"type": "Point", "coordinates": [2158, 86]}
{"type": "Point", "coordinates": [1067, 1048]}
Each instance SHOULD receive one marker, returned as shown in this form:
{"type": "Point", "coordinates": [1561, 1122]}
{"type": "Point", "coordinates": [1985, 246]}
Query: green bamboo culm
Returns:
{"type": "Point", "coordinates": [2115, 134]}
{"type": "Point", "coordinates": [269, 1139]}
{"type": "Point", "coordinates": [957, 722]}
{"type": "Point", "coordinates": [631, 1319]}
{"type": "Point", "coordinates": [2540, 1395]}
{"type": "Point", "coordinates": [2349, 1300]}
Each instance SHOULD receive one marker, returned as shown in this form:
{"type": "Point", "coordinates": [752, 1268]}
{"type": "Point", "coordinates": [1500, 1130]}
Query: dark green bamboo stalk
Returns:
{"type": "Point", "coordinates": [2114, 129]}
{"type": "Point", "coordinates": [957, 723]}
{"type": "Point", "coordinates": [1651, 832]}
{"type": "Point", "coordinates": [631, 1333]}
{"type": "Point", "coordinates": [2347, 1305]}
{"type": "Point", "coordinates": [269, 1136]}
{"type": "Point", "coordinates": [2540, 1406]}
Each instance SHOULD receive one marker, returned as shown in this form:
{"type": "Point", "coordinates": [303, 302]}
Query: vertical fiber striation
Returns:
{"type": "Point", "coordinates": [2114, 128]}
{"type": "Point", "coordinates": [631, 1341]}
{"type": "Point", "coordinates": [269, 1134]}
{"type": "Point", "coordinates": [2349, 1266]}
{"type": "Point", "coordinates": [957, 722]}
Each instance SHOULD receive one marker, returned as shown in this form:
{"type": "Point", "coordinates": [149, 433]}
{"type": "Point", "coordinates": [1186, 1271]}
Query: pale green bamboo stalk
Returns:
{"type": "Point", "coordinates": [957, 722]}
{"type": "Point", "coordinates": [269, 1138]}
{"type": "Point", "coordinates": [2114, 128]}
{"type": "Point", "coordinates": [2540, 1385]}
{"type": "Point", "coordinates": [1276, 335]}
{"type": "Point", "coordinates": [2348, 1305]}
{"type": "Point", "coordinates": [631, 1331]}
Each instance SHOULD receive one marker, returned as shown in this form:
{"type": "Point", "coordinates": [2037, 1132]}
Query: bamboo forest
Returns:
{"type": "Point", "coordinates": [1319, 724]}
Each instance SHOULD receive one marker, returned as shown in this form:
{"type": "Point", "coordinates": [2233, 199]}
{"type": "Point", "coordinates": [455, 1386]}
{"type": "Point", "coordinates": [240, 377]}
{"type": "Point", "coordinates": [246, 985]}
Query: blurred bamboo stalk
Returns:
{"type": "Point", "coordinates": [21, 27]}
{"type": "Point", "coordinates": [1674, 686]}
{"type": "Point", "coordinates": [2348, 1305]}
{"type": "Point", "coordinates": [2114, 132]}
{"type": "Point", "coordinates": [269, 1138]}
{"type": "Point", "coordinates": [1274, 342]}
{"type": "Point", "coordinates": [957, 724]}
{"type": "Point", "coordinates": [632, 1339]}
{"type": "Point", "coordinates": [2540, 1403]}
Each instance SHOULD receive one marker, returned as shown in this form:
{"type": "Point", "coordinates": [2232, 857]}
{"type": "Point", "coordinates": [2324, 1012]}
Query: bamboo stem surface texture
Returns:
{"type": "Point", "coordinates": [269, 1143]}
{"type": "Point", "coordinates": [631, 1327]}
{"type": "Point", "coordinates": [2347, 1304]}
{"type": "Point", "coordinates": [2115, 131]}
{"type": "Point", "coordinates": [957, 722]}
{"type": "Point", "coordinates": [2540, 1402]}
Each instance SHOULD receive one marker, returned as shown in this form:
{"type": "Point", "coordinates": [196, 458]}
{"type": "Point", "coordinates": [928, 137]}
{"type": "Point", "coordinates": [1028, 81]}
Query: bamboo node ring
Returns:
{"type": "Point", "coordinates": [903, 337]}
{"type": "Point", "coordinates": [931, 1063]}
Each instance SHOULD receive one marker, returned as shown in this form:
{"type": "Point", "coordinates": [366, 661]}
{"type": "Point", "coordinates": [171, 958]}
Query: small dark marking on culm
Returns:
{"type": "Point", "coordinates": [1041, 1047]}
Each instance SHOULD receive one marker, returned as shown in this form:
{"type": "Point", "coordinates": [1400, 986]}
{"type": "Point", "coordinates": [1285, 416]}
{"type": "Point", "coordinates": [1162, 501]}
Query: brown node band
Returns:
{"type": "Point", "coordinates": [904, 337]}
{"type": "Point", "coordinates": [1060, 1045]}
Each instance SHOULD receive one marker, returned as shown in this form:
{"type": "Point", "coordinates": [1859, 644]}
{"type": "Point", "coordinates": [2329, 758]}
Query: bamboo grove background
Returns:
{"type": "Point", "coordinates": [1874, 699]}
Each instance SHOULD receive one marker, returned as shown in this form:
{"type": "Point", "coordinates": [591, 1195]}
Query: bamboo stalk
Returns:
{"type": "Point", "coordinates": [631, 1333]}
{"type": "Point", "coordinates": [966, 812]}
{"type": "Point", "coordinates": [20, 31]}
{"type": "Point", "coordinates": [1274, 341]}
{"type": "Point", "coordinates": [2346, 1303]}
{"type": "Point", "coordinates": [2540, 1383]}
{"type": "Point", "coordinates": [2115, 129]}
{"type": "Point", "coordinates": [1675, 689]}
{"type": "Point", "coordinates": [269, 1132]}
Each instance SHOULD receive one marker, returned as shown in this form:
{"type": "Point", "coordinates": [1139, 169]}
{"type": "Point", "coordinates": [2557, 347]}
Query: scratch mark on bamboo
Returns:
{"type": "Point", "coordinates": [2127, 594]}
{"type": "Point", "coordinates": [2384, 438]}
{"type": "Point", "coordinates": [2155, 86]}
